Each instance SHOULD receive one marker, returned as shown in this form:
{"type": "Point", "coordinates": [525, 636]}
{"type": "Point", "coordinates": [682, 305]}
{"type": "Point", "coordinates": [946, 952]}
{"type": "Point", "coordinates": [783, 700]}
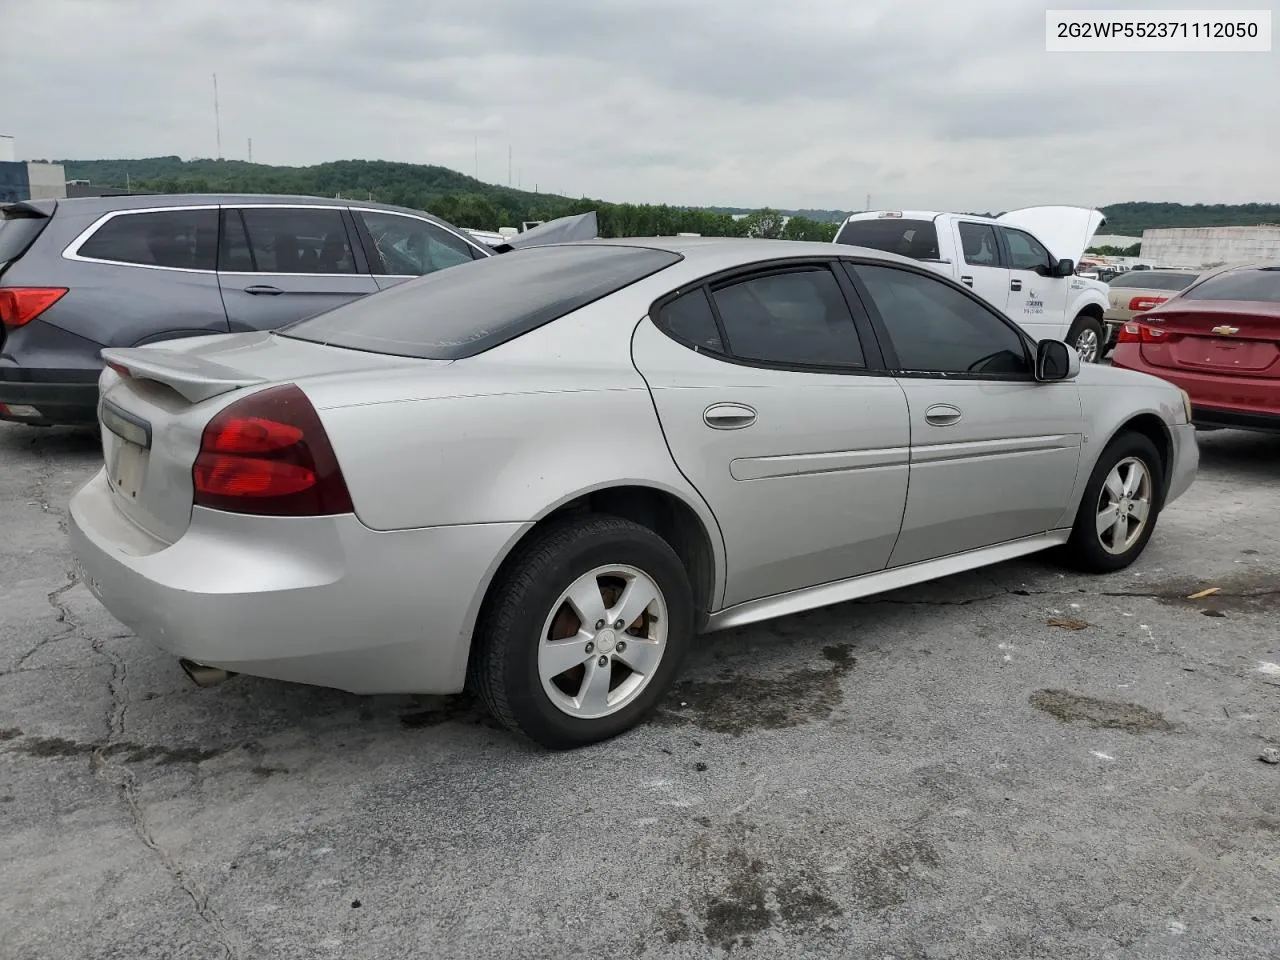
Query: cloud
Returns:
{"type": "Point", "coordinates": [810, 103]}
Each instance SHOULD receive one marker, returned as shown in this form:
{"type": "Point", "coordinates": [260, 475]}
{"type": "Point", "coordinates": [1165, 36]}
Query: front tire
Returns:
{"type": "Point", "coordinates": [1120, 506]}
{"type": "Point", "coordinates": [585, 633]}
{"type": "Point", "coordinates": [1087, 337]}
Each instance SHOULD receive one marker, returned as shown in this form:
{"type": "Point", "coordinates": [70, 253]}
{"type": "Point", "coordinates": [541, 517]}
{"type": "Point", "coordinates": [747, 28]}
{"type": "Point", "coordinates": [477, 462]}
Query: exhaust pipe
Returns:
{"type": "Point", "coordinates": [203, 676]}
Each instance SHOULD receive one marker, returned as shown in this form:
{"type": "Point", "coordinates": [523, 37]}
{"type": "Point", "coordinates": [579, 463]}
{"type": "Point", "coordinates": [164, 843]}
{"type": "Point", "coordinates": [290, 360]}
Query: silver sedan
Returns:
{"type": "Point", "coordinates": [540, 476]}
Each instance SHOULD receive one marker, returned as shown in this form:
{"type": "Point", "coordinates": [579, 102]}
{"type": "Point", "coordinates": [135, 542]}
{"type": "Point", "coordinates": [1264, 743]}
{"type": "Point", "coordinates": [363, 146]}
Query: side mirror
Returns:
{"type": "Point", "coordinates": [1055, 361]}
{"type": "Point", "coordinates": [1064, 268]}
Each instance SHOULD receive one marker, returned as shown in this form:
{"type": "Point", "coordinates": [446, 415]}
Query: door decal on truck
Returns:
{"type": "Point", "coordinates": [1033, 304]}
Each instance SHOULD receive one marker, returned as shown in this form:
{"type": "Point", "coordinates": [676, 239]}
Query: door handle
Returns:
{"type": "Point", "coordinates": [967, 281]}
{"type": "Point", "coordinates": [1015, 284]}
{"type": "Point", "coordinates": [942, 415]}
{"type": "Point", "coordinates": [263, 290]}
{"type": "Point", "coordinates": [728, 416]}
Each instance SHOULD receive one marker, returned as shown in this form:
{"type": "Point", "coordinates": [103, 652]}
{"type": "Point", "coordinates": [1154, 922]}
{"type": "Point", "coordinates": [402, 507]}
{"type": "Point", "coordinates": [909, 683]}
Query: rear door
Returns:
{"type": "Point", "coordinates": [994, 453]}
{"type": "Point", "coordinates": [775, 409]}
{"type": "Point", "coordinates": [400, 246]}
{"type": "Point", "coordinates": [280, 263]}
{"type": "Point", "coordinates": [982, 269]}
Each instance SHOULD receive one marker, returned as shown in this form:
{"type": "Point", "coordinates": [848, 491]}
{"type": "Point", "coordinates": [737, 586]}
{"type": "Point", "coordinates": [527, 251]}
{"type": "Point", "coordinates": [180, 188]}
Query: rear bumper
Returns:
{"type": "Point", "coordinates": [324, 600]}
{"type": "Point", "coordinates": [1203, 416]}
{"type": "Point", "coordinates": [57, 396]}
{"type": "Point", "coordinates": [1248, 403]}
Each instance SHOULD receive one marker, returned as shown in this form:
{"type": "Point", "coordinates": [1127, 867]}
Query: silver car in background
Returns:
{"type": "Point", "coordinates": [541, 475]}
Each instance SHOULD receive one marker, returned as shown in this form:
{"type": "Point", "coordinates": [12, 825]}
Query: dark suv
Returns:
{"type": "Point", "coordinates": [82, 274]}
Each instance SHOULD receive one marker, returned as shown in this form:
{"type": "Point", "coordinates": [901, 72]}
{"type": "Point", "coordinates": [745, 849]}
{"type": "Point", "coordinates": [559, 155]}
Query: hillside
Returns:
{"type": "Point", "coordinates": [470, 202]}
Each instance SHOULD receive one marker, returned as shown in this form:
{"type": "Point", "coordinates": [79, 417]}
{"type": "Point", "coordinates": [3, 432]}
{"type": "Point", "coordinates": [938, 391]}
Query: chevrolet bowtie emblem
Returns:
{"type": "Point", "coordinates": [1225, 331]}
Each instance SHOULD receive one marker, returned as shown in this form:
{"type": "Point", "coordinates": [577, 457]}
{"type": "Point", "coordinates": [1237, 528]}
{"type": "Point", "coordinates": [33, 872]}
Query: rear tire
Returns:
{"type": "Point", "coordinates": [558, 606]}
{"type": "Point", "coordinates": [1087, 337]}
{"type": "Point", "coordinates": [1120, 506]}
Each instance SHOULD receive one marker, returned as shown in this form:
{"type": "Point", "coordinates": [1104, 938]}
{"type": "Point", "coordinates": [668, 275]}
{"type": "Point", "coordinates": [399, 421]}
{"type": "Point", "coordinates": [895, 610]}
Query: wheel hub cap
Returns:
{"type": "Point", "coordinates": [606, 640]}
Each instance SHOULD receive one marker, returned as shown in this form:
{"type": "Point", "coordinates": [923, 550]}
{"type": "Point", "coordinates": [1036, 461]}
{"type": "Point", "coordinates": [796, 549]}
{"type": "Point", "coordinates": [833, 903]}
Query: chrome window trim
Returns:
{"type": "Point", "coordinates": [72, 250]}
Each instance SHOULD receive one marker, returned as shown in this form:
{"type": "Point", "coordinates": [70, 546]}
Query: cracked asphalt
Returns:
{"type": "Point", "coordinates": [936, 773]}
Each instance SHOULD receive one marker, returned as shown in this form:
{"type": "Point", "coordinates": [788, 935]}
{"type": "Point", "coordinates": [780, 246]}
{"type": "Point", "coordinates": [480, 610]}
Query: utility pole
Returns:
{"type": "Point", "coordinates": [868, 206]}
{"type": "Point", "coordinates": [217, 118]}
{"type": "Point", "coordinates": [476, 172]}
{"type": "Point", "coordinates": [251, 149]}
{"type": "Point", "coordinates": [508, 164]}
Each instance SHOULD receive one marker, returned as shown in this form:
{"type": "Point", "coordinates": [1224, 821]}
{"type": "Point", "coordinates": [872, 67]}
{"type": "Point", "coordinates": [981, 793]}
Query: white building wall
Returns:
{"type": "Point", "coordinates": [1200, 246]}
{"type": "Point", "coordinates": [48, 181]}
{"type": "Point", "coordinates": [8, 151]}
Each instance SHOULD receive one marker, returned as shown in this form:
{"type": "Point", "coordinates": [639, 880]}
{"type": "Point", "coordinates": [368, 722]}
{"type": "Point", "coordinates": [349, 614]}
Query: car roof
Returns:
{"type": "Point", "coordinates": [149, 201]}
{"type": "Point", "coordinates": [749, 250]}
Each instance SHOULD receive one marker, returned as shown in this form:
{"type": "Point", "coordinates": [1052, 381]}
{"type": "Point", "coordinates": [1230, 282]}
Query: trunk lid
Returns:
{"type": "Point", "coordinates": [1225, 338]}
{"type": "Point", "coordinates": [156, 400]}
{"type": "Point", "coordinates": [1065, 230]}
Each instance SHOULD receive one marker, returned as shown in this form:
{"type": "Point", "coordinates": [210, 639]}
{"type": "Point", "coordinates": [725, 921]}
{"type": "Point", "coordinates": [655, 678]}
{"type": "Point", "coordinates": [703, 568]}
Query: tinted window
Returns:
{"type": "Point", "coordinates": [164, 238]}
{"type": "Point", "coordinates": [979, 243]}
{"type": "Point", "coordinates": [907, 238]}
{"type": "Point", "coordinates": [1255, 285]}
{"type": "Point", "coordinates": [936, 328]}
{"type": "Point", "coordinates": [1149, 280]}
{"type": "Point", "coordinates": [1025, 251]}
{"type": "Point", "coordinates": [411, 247]}
{"type": "Point", "coordinates": [17, 231]}
{"type": "Point", "coordinates": [286, 240]}
{"type": "Point", "coordinates": [799, 317]}
{"type": "Point", "coordinates": [690, 319]}
{"type": "Point", "coordinates": [451, 314]}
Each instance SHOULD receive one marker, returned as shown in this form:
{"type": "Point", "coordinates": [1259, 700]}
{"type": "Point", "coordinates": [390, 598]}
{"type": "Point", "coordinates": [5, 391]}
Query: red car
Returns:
{"type": "Point", "coordinates": [1219, 340]}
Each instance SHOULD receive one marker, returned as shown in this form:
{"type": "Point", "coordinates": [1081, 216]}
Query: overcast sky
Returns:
{"type": "Point", "coordinates": [949, 104]}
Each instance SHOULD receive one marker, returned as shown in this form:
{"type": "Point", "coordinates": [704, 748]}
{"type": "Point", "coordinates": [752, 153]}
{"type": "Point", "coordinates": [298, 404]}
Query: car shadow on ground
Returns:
{"type": "Point", "coordinates": [16, 439]}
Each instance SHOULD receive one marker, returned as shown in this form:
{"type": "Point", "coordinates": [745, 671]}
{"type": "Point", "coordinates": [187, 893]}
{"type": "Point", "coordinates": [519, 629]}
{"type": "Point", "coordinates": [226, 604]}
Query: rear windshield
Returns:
{"type": "Point", "coordinates": [17, 229]}
{"type": "Point", "coordinates": [1150, 280]}
{"type": "Point", "coordinates": [908, 238]}
{"type": "Point", "coordinates": [473, 307]}
{"type": "Point", "coordinates": [1255, 285]}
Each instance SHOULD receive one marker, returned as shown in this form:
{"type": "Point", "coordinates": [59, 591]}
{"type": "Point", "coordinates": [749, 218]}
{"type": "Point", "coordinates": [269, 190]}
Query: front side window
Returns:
{"type": "Point", "coordinates": [307, 240]}
{"type": "Point", "coordinates": [181, 239]}
{"type": "Point", "coordinates": [1026, 252]}
{"type": "Point", "coordinates": [978, 241]}
{"type": "Point", "coordinates": [797, 318]}
{"type": "Point", "coordinates": [411, 247]}
{"type": "Point", "coordinates": [935, 328]}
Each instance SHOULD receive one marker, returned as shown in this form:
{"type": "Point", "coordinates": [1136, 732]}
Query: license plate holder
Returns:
{"type": "Point", "coordinates": [127, 456]}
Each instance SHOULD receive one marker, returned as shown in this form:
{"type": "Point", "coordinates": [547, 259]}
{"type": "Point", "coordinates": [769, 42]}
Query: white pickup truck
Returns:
{"type": "Point", "coordinates": [1022, 262]}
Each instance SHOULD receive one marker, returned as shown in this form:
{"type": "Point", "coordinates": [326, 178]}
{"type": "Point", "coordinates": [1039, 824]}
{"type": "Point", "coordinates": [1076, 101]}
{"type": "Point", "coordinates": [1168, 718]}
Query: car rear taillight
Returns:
{"type": "Point", "coordinates": [20, 305]}
{"type": "Point", "coordinates": [1140, 333]}
{"type": "Point", "coordinates": [1140, 304]}
{"type": "Point", "coordinates": [269, 455]}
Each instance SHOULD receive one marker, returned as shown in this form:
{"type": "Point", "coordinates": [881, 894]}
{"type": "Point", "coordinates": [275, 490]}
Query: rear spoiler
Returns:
{"type": "Point", "coordinates": [26, 210]}
{"type": "Point", "coordinates": [193, 378]}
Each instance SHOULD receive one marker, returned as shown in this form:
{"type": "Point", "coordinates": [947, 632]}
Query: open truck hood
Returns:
{"type": "Point", "coordinates": [582, 226]}
{"type": "Point", "coordinates": [1066, 231]}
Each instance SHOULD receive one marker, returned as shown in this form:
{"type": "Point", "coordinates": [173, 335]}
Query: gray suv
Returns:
{"type": "Point", "coordinates": [82, 274]}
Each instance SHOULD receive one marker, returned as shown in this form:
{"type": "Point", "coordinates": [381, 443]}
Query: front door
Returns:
{"type": "Point", "coordinates": [994, 453]}
{"type": "Point", "coordinates": [278, 264]}
{"type": "Point", "coordinates": [771, 401]}
{"type": "Point", "coordinates": [1037, 299]}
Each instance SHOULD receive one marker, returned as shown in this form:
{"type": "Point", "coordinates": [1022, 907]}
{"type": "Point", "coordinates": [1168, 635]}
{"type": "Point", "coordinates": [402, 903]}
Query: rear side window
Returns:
{"type": "Point", "coordinates": [1149, 280]}
{"type": "Point", "coordinates": [18, 230]}
{"type": "Point", "coordinates": [794, 318]}
{"type": "Point", "coordinates": [468, 309]}
{"type": "Point", "coordinates": [908, 238]}
{"type": "Point", "coordinates": [1256, 285]}
{"type": "Point", "coordinates": [689, 318]}
{"type": "Point", "coordinates": [978, 241]}
{"type": "Point", "coordinates": [286, 240]}
{"type": "Point", "coordinates": [184, 239]}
